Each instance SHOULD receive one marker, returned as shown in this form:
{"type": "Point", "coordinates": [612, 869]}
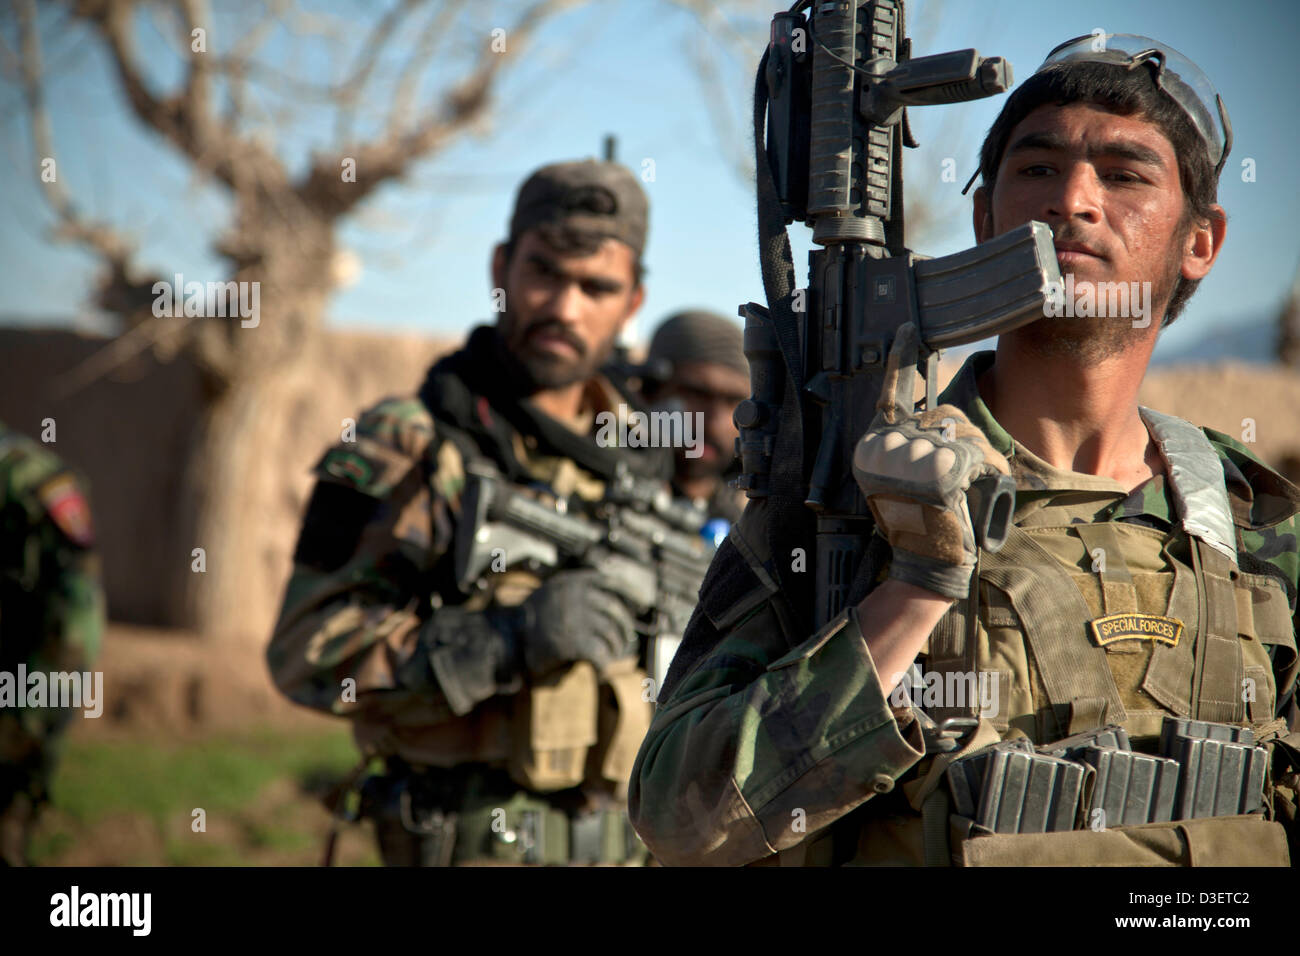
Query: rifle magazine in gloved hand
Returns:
{"type": "Point", "coordinates": [916, 470]}
{"type": "Point", "coordinates": [574, 616]}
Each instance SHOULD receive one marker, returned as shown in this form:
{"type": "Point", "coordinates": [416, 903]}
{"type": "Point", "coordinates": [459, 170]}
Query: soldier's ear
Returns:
{"type": "Point", "coordinates": [499, 266]}
{"type": "Point", "coordinates": [1202, 244]}
{"type": "Point", "coordinates": [634, 302]}
{"type": "Point", "coordinates": [982, 216]}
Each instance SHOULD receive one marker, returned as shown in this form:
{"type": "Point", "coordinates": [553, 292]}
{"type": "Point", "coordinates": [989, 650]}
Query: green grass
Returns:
{"type": "Point", "coordinates": [218, 774]}
{"type": "Point", "coordinates": [228, 775]}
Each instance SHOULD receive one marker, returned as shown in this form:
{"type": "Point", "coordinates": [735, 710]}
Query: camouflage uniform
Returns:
{"type": "Point", "coordinates": [373, 567]}
{"type": "Point", "coordinates": [51, 619]}
{"type": "Point", "coordinates": [493, 753]}
{"type": "Point", "coordinates": [760, 726]}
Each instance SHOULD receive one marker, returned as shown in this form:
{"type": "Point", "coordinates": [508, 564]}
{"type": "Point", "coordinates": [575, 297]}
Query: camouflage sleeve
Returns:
{"type": "Point", "coordinates": [51, 601]}
{"type": "Point", "coordinates": [760, 745]}
{"type": "Point", "coordinates": [350, 639]}
{"type": "Point", "coordinates": [70, 574]}
{"type": "Point", "coordinates": [1269, 531]}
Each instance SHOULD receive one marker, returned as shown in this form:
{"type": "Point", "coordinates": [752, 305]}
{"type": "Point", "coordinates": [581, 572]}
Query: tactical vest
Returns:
{"type": "Point", "coordinates": [567, 730]}
{"type": "Point", "coordinates": [1084, 623]}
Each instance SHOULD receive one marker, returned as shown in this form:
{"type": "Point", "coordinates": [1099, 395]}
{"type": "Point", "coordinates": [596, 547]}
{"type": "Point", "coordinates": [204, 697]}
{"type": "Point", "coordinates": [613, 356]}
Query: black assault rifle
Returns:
{"type": "Point", "coordinates": [646, 546]}
{"type": "Point", "coordinates": [833, 88]}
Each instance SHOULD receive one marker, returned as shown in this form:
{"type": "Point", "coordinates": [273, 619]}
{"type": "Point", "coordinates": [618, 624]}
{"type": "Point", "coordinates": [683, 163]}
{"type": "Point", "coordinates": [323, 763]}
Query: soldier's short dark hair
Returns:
{"type": "Point", "coordinates": [1127, 93]}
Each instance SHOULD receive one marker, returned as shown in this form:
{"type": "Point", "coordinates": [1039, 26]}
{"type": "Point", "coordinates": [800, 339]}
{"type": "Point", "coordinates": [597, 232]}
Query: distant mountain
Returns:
{"type": "Point", "coordinates": [1254, 340]}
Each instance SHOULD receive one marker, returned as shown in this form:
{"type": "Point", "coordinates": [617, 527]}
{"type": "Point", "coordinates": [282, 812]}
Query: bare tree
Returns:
{"type": "Point", "coordinates": [282, 234]}
{"type": "Point", "coordinates": [281, 237]}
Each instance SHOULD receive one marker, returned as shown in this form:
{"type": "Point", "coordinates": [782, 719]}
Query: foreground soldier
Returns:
{"type": "Point", "coordinates": [1151, 570]}
{"type": "Point", "coordinates": [51, 620]}
{"type": "Point", "coordinates": [696, 363]}
{"type": "Point", "coordinates": [507, 717]}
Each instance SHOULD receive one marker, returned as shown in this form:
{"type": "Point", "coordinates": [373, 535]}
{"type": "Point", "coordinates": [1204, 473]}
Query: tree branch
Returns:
{"type": "Point", "coordinates": [185, 120]}
{"type": "Point", "coordinates": [418, 60]}
{"type": "Point", "coordinates": [348, 93]}
{"type": "Point", "coordinates": [460, 107]}
{"type": "Point", "coordinates": [119, 284]}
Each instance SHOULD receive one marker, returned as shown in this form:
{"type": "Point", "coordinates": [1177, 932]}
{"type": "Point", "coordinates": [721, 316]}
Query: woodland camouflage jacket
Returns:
{"type": "Point", "coordinates": [51, 604]}
{"type": "Point", "coordinates": [372, 563]}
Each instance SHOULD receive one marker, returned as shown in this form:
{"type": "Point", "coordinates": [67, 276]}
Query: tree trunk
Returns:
{"type": "Point", "coordinates": [290, 258]}
{"type": "Point", "coordinates": [213, 507]}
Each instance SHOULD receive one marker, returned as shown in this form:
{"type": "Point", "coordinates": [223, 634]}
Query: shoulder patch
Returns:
{"type": "Point", "coordinates": [365, 465]}
{"type": "Point", "coordinates": [348, 466]}
{"type": "Point", "coordinates": [355, 476]}
{"type": "Point", "coordinates": [391, 438]}
{"type": "Point", "coordinates": [67, 508]}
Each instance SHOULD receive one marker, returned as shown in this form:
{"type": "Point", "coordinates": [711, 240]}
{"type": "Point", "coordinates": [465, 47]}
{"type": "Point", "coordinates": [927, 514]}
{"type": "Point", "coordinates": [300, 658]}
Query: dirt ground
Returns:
{"type": "Point", "coordinates": [172, 683]}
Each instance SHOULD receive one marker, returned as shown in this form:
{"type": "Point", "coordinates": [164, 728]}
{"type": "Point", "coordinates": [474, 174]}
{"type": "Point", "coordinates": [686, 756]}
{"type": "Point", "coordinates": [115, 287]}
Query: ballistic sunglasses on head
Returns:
{"type": "Point", "coordinates": [1177, 76]}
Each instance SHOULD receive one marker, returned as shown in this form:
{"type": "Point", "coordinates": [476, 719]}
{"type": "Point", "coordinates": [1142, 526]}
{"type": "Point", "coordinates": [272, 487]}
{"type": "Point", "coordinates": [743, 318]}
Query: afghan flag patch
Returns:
{"type": "Point", "coordinates": [68, 507]}
{"type": "Point", "coordinates": [349, 466]}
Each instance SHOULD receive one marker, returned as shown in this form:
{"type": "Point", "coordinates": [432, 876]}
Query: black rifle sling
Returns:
{"type": "Point", "coordinates": [790, 524]}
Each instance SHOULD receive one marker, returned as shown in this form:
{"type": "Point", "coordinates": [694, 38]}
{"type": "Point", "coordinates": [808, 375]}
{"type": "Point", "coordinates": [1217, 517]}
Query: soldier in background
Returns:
{"type": "Point", "coordinates": [51, 620]}
{"type": "Point", "coordinates": [507, 717]}
{"type": "Point", "coordinates": [697, 364]}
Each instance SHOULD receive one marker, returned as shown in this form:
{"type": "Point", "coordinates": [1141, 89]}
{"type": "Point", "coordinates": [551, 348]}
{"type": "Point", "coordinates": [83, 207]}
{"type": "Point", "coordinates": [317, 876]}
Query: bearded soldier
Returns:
{"type": "Point", "coordinates": [1145, 594]}
{"type": "Point", "coordinates": [507, 713]}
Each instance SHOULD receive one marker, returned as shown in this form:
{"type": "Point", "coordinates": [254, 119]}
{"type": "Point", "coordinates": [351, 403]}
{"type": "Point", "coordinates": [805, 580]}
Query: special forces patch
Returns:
{"type": "Point", "coordinates": [68, 508]}
{"type": "Point", "coordinates": [1146, 627]}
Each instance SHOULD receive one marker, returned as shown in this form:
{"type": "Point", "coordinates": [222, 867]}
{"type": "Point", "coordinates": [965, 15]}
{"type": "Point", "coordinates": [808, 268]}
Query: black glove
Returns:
{"type": "Point", "coordinates": [572, 617]}
{"type": "Point", "coordinates": [474, 654]}
{"type": "Point", "coordinates": [575, 617]}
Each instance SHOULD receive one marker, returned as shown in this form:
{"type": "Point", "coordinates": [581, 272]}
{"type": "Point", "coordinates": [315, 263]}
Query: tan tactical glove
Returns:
{"type": "Point", "coordinates": [916, 470]}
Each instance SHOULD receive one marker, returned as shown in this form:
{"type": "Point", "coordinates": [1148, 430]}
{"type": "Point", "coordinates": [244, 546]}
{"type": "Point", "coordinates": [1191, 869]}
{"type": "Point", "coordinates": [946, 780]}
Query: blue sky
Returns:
{"type": "Point", "coordinates": [623, 67]}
